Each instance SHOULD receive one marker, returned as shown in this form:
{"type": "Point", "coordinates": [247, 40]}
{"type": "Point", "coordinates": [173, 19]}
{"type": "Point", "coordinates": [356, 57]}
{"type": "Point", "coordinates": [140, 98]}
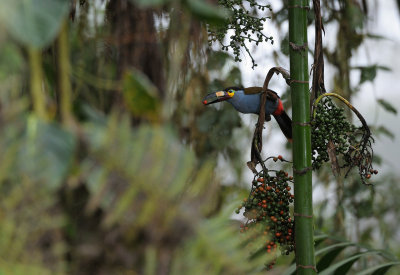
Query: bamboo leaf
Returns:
{"type": "Point", "coordinates": [385, 131]}
{"type": "Point", "coordinates": [387, 106]}
{"type": "Point", "coordinates": [368, 73]}
{"type": "Point", "coordinates": [320, 238]}
{"type": "Point", "coordinates": [328, 258]}
{"type": "Point", "coordinates": [331, 253]}
{"type": "Point", "coordinates": [379, 269]}
{"type": "Point", "coordinates": [344, 265]}
{"type": "Point", "coordinates": [375, 36]}
{"type": "Point", "coordinates": [332, 247]}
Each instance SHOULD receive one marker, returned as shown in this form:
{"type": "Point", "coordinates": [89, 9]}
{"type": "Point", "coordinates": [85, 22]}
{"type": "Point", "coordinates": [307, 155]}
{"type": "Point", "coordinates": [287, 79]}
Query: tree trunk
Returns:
{"type": "Point", "coordinates": [136, 38]}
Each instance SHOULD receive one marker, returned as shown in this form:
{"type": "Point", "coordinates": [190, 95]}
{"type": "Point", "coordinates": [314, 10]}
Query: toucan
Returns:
{"type": "Point", "coordinates": [248, 100]}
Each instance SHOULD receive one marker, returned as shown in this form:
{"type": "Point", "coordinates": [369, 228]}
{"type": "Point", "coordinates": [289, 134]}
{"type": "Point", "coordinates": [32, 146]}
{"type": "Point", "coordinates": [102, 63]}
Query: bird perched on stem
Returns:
{"type": "Point", "coordinates": [248, 101]}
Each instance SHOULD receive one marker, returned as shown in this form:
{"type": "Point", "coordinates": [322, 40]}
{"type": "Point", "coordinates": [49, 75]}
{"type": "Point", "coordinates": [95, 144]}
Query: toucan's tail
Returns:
{"type": "Point", "coordinates": [285, 123]}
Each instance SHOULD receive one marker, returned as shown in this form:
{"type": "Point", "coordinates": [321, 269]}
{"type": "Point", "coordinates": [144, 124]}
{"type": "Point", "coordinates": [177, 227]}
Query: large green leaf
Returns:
{"type": "Point", "coordinates": [46, 153]}
{"type": "Point", "coordinates": [141, 96]}
{"type": "Point", "coordinates": [343, 266]}
{"type": "Point", "coordinates": [318, 239]}
{"type": "Point", "coordinates": [329, 253]}
{"type": "Point", "coordinates": [379, 269]}
{"type": "Point", "coordinates": [207, 12]}
{"type": "Point", "coordinates": [33, 22]}
{"type": "Point", "coordinates": [332, 252]}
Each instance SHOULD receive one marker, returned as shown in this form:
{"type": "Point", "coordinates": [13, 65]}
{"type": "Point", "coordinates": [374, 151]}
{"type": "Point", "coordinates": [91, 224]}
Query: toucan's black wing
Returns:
{"type": "Point", "coordinates": [252, 90]}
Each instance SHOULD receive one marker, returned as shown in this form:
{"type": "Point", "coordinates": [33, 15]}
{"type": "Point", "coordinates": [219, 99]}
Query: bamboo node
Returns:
{"type": "Point", "coordinates": [307, 267]}
{"type": "Point", "coordinates": [298, 47]}
{"type": "Point", "coordinates": [302, 171]}
{"type": "Point", "coordinates": [302, 123]}
{"type": "Point", "coordinates": [302, 215]}
{"type": "Point", "coordinates": [298, 81]}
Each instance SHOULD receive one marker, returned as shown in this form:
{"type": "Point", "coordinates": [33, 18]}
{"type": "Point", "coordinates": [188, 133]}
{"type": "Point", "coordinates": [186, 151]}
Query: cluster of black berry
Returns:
{"type": "Point", "coordinates": [329, 125]}
{"type": "Point", "coordinates": [267, 209]}
{"type": "Point", "coordinates": [244, 24]}
{"type": "Point", "coordinates": [332, 131]}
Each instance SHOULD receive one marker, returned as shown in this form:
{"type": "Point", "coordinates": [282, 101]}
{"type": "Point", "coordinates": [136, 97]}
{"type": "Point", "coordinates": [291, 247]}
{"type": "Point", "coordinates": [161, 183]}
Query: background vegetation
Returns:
{"type": "Point", "coordinates": [110, 164]}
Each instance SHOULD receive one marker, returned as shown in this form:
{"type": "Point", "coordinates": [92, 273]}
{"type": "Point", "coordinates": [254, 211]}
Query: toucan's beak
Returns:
{"type": "Point", "coordinates": [215, 97]}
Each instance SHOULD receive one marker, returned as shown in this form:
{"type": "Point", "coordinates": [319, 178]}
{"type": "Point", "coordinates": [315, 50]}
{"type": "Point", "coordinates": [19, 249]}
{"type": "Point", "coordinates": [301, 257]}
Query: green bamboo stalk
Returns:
{"type": "Point", "coordinates": [36, 81]}
{"type": "Point", "coordinates": [64, 71]}
{"type": "Point", "coordinates": [304, 232]}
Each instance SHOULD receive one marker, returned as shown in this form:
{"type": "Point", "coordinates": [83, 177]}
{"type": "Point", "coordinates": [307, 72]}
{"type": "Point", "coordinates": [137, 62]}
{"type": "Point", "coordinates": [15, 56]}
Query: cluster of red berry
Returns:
{"type": "Point", "coordinates": [267, 210]}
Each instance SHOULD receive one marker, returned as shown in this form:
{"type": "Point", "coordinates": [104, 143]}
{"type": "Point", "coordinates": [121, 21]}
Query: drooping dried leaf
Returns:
{"type": "Point", "coordinates": [331, 149]}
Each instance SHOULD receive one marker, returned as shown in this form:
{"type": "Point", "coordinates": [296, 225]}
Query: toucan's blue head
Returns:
{"type": "Point", "coordinates": [219, 96]}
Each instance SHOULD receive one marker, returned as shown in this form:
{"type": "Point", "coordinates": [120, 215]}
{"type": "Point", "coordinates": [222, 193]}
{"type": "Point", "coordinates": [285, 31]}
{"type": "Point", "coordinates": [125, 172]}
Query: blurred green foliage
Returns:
{"type": "Point", "coordinates": [123, 188]}
{"type": "Point", "coordinates": [140, 95]}
{"type": "Point", "coordinates": [135, 183]}
{"type": "Point", "coordinates": [141, 190]}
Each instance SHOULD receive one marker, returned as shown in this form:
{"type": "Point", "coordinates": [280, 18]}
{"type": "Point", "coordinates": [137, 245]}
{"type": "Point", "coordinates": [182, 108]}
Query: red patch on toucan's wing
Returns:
{"type": "Point", "coordinates": [279, 109]}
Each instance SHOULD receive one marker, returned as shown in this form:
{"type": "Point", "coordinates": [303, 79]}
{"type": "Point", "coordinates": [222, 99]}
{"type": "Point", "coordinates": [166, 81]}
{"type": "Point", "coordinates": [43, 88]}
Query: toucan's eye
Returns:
{"type": "Point", "coordinates": [231, 93]}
